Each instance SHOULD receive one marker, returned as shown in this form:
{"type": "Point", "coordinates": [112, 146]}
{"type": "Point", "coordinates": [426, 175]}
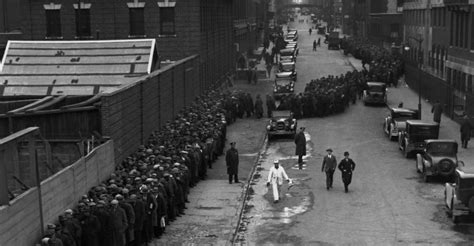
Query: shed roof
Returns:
{"type": "Point", "coordinates": [73, 67]}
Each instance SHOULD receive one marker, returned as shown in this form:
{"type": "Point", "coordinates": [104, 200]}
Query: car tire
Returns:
{"type": "Point", "coordinates": [471, 204]}
{"type": "Point", "coordinates": [449, 168]}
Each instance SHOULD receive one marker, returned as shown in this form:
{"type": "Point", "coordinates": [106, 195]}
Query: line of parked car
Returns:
{"type": "Point", "coordinates": [282, 121]}
{"type": "Point", "coordinates": [433, 157]}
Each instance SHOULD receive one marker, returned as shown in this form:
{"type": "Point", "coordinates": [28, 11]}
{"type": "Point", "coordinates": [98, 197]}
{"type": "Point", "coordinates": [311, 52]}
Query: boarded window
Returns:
{"type": "Point", "coordinates": [137, 21]}
{"type": "Point", "coordinates": [53, 23]}
{"type": "Point", "coordinates": [167, 21]}
{"type": "Point", "coordinates": [83, 23]}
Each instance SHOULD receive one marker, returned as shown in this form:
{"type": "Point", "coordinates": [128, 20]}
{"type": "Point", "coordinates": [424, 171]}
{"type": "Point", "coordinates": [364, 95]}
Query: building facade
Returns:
{"type": "Point", "coordinates": [385, 22]}
{"type": "Point", "coordinates": [361, 17]}
{"type": "Point", "coordinates": [248, 26]}
{"type": "Point", "coordinates": [181, 27]}
{"type": "Point", "coordinates": [439, 53]}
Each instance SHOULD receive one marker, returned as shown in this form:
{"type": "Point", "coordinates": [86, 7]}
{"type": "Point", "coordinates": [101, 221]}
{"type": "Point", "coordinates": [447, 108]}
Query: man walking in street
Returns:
{"type": "Point", "coordinates": [275, 177]}
{"type": "Point", "coordinates": [314, 45]}
{"type": "Point", "coordinates": [329, 166]}
{"type": "Point", "coordinates": [437, 110]}
{"type": "Point", "coordinates": [346, 166]}
{"type": "Point", "coordinates": [300, 141]}
{"type": "Point", "coordinates": [465, 131]}
{"type": "Point", "coordinates": [232, 162]}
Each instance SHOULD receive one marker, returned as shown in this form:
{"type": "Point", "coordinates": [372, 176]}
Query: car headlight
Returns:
{"type": "Point", "coordinates": [268, 127]}
{"type": "Point", "coordinates": [275, 90]}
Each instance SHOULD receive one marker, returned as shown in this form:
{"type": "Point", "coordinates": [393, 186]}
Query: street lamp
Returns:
{"type": "Point", "coordinates": [420, 65]}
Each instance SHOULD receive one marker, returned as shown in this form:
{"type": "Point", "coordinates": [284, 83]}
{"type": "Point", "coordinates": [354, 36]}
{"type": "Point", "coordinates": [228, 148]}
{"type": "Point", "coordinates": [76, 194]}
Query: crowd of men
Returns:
{"type": "Point", "coordinates": [384, 66]}
{"type": "Point", "coordinates": [149, 189]}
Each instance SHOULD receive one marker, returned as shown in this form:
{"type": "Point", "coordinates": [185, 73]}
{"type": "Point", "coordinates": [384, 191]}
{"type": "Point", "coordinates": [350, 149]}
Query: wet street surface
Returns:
{"type": "Point", "coordinates": [387, 203]}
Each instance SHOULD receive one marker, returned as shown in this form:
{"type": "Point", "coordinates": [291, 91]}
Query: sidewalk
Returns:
{"type": "Point", "coordinates": [214, 207]}
{"type": "Point", "coordinates": [449, 129]}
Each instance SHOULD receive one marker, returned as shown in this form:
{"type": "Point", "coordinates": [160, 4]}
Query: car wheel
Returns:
{"type": "Point", "coordinates": [471, 204]}
{"type": "Point", "coordinates": [269, 137]}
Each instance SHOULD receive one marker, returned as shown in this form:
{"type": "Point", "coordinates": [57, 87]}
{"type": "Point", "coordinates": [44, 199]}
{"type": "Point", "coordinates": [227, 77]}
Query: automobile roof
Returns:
{"type": "Point", "coordinates": [420, 122]}
{"type": "Point", "coordinates": [428, 141]}
{"type": "Point", "coordinates": [403, 110]}
{"type": "Point", "coordinates": [287, 63]}
{"type": "Point", "coordinates": [375, 83]}
{"type": "Point", "coordinates": [283, 74]}
{"type": "Point", "coordinates": [286, 50]}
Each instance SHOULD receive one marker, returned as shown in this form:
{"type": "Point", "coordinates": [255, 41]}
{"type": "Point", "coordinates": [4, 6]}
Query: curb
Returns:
{"type": "Point", "coordinates": [245, 192]}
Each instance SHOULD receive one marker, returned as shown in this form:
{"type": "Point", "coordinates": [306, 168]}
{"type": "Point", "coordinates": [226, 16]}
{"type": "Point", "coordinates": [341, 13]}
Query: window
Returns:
{"type": "Point", "coordinates": [472, 32]}
{"type": "Point", "coordinates": [53, 23]}
{"type": "Point", "coordinates": [167, 24]}
{"type": "Point", "coordinates": [83, 23]}
{"type": "Point", "coordinates": [137, 21]}
{"type": "Point", "coordinates": [469, 84]}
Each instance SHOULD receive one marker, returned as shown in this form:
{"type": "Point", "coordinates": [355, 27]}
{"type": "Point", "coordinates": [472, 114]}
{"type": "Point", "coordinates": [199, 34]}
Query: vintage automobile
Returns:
{"type": "Point", "coordinates": [293, 33]}
{"type": "Point", "coordinates": [322, 30]}
{"type": "Point", "coordinates": [288, 54]}
{"type": "Point", "coordinates": [294, 47]}
{"type": "Point", "coordinates": [287, 69]}
{"type": "Point", "coordinates": [412, 140]}
{"type": "Point", "coordinates": [283, 87]}
{"type": "Point", "coordinates": [291, 37]}
{"type": "Point", "coordinates": [281, 123]}
{"type": "Point", "coordinates": [375, 93]}
{"type": "Point", "coordinates": [395, 121]}
{"type": "Point", "coordinates": [438, 158]}
{"type": "Point", "coordinates": [459, 196]}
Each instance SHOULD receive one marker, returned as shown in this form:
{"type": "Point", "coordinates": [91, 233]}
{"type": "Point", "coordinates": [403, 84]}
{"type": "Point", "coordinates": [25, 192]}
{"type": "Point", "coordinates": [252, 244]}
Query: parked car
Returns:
{"type": "Point", "coordinates": [459, 196]}
{"type": "Point", "coordinates": [333, 40]}
{"type": "Point", "coordinates": [291, 37]}
{"type": "Point", "coordinates": [375, 93]}
{"type": "Point", "coordinates": [394, 123]}
{"type": "Point", "coordinates": [412, 140]}
{"type": "Point", "coordinates": [288, 54]}
{"type": "Point", "coordinates": [283, 87]}
{"type": "Point", "coordinates": [287, 69]}
{"type": "Point", "coordinates": [438, 158]}
{"type": "Point", "coordinates": [322, 30]}
{"type": "Point", "coordinates": [294, 47]}
{"type": "Point", "coordinates": [281, 123]}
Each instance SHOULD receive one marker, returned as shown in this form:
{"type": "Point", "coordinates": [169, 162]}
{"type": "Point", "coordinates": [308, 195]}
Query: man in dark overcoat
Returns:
{"type": "Point", "coordinates": [118, 223]}
{"type": "Point", "coordinates": [90, 228]}
{"type": "Point", "coordinates": [437, 110]}
{"type": "Point", "coordinates": [329, 166]}
{"type": "Point", "coordinates": [232, 162]}
{"type": "Point", "coordinates": [346, 166]}
{"type": "Point", "coordinates": [465, 131]}
{"type": "Point", "coordinates": [300, 141]}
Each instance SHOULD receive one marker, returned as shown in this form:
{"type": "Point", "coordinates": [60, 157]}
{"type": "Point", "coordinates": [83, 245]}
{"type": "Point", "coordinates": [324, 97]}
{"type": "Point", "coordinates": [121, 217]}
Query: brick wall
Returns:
{"type": "Point", "coordinates": [21, 223]}
{"type": "Point", "coordinates": [131, 114]}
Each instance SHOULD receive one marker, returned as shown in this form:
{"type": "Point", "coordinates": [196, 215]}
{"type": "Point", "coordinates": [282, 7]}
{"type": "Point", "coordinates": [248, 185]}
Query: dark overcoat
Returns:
{"type": "Point", "coordinates": [346, 167]}
{"type": "Point", "coordinates": [90, 231]}
{"type": "Point", "coordinates": [437, 110]}
{"type": "Point", "coordinates": [232, 161]}
{"type": "Point", "coordinates": [300, 141]}
{"type": "Point", "coordinates": [466, 130]}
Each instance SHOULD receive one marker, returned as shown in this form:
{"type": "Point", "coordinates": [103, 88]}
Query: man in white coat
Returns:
{"type": "Point", "coordinates": [275, 177]}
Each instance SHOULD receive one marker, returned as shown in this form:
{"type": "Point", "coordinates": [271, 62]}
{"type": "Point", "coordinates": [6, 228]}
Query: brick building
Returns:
{"type": "Point", "coordinates": [10, 22]}
{"type": "Point", "coordinates": [440, 37]}
{"type": "Point", "coordinates": [361, 17]}
{"type": "Point", "coordinates": [248, 26]}
{"type": "Point", "coordinates": [385, 22]}
{"type": "Point", "coordinates": [181, 27]}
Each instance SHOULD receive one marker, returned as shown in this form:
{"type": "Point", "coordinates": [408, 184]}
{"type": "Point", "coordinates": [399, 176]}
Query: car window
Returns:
{"type": "Point", "coordinates": [376, 88]}
{"type": "Point", "coordinates": [423, 130]}
{"type": "Point", "coordinates": [287, 67]}
{"type": "Point", "coordinates": [441, 148]}
{"type": "Point", "coordinates": [282, 82]}
{"type": "Point", "coordinates": [404, 115]}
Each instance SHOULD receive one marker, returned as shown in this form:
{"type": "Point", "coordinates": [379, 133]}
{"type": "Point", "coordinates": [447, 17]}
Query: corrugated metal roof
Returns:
{"type": "Point", "coordinates": [73, 67]}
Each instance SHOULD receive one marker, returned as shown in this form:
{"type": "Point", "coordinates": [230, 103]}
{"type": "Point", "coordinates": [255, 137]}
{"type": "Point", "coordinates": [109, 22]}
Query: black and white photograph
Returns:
{"type": "Point", "coordinates": [236, 122]}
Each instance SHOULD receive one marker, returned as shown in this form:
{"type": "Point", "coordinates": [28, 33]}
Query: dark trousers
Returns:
{"type": "Point", "coordinates": [300, 161]}
{"type": "Point", "coordinates": [236, 178]}
{"type": "Point", "coordinates": [346, 179]}
{"type": "Point", "coordinates": [329, 178]}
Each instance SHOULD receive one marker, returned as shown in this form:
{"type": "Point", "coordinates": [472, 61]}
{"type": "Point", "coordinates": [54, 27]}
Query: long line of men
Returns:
{"type": "Point", "coordinates": [384, 65]}
{"type": "Point", "coordinates": [150, 188]}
